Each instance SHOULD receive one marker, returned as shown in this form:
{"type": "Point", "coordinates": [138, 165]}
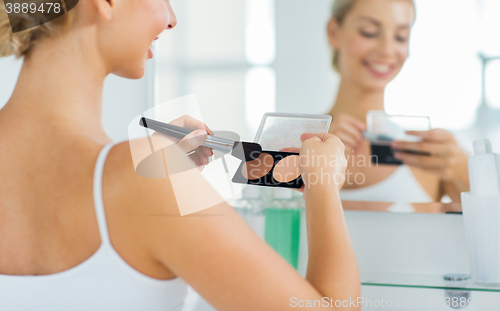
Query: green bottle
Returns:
{"type": "Point", "coordinates": [282, 224]}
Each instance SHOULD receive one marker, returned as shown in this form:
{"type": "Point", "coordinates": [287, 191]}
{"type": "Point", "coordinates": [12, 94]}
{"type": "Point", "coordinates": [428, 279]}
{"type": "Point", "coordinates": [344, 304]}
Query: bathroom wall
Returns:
{"type": "Point", "coordinates": [305, 81]}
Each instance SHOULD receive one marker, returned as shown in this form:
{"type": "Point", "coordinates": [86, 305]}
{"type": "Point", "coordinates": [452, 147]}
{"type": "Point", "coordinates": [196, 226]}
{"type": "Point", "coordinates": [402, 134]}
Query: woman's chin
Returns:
{"type": "Point", "coordinates": [133, 74]}
{"type": "Point", "coordinates": [374, 84]}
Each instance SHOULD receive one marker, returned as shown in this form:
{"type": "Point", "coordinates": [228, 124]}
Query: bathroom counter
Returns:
{"type": "Point", "coordinates": [418, 208]}
{"type": "Point", "coordinates": [423, 281]}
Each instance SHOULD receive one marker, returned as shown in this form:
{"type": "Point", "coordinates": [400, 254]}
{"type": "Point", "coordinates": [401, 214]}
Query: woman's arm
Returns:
{"type": "Point", "coordinates": [332, 267]}
{"type": "Point", "coordinates": [228, 264]}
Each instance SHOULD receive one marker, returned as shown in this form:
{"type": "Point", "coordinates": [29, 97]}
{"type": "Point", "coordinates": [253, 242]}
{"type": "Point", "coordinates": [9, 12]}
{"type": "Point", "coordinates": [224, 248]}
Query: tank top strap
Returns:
{"type": "Point", "coordinates": [98, 201]}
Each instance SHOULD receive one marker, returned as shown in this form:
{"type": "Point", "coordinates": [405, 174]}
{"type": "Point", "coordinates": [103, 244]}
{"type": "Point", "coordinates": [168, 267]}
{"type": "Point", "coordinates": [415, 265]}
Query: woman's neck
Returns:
{"type": "Point", "coordinates": [356, 101]}
{"type": "Point", "coordinates": [61, 84]}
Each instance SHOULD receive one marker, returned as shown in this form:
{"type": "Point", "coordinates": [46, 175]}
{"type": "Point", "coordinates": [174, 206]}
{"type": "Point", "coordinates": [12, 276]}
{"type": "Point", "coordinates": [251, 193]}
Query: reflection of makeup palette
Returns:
{"type": "Point", "coordinates": [272, 169]}
{"type": "Point", "coordinates": [382, 129]}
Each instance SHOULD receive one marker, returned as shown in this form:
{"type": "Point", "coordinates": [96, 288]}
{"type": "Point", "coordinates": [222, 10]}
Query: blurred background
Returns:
{"type": "Point", "coordinates": [243, 58]}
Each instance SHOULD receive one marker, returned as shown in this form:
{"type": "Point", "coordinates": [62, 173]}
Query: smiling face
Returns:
{"type": "Point", "coordinates": [372, 41]}
{"type": "Point", "coordinates": [125, 41]}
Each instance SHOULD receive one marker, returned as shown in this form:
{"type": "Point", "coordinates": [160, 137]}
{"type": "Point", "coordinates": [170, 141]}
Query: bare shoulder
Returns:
{"type": "Point", "coordinates": [133, 205]}
{"type": "Point", "coordinates": [136, 190]}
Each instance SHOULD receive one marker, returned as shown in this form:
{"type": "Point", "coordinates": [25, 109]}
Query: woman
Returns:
{"type": "Point", "coordinates": [76, 231]}
{"type": "Point", "coordinates": [370, 39]}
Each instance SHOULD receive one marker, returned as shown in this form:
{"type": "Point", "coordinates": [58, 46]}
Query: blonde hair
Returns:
{"type": "Point", "coordinates": [22, 43]}
{"type": "Point", "coordinates": [340, 9]}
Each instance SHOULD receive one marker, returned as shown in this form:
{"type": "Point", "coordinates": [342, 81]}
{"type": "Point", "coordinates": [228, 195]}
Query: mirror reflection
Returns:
{"type": "Point", "coordinates": [347, 58]}
{"type": "Point", "coordinates": [371, 43]}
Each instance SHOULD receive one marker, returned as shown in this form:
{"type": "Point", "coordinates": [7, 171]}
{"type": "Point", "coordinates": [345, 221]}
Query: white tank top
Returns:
{"type": "Point", "coordinates": [102, 282]}
{"type": "Point", "coordinates": [400, 187]}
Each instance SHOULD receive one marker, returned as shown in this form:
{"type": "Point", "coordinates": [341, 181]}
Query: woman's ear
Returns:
{"type": "Point", "coordinates": [105, 8]}
{"type": "Point", "coordinates": [333, 33]}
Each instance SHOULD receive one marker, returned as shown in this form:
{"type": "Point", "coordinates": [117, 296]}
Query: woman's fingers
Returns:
{"type": "Point", "coordinates": [190, 123]}
{"type": "Point", "coordinates": [307, 136]}
{"type": "Point", "coordinates": [319, 137]}
{"type": "Point", "coordinates": [422, 161]}
{"type": "Point", "coordinates": [349, 142]}
{"type": "Point", "coordinates": [160, 141]}
{"type": "Point", "coordinates": [199, 160]}
{"type": "Point", "coordinates": [203, 157]}
{"type": "Point", "coordinates": [193, 140]}
{"type": "Point", "coordinates": [351, 137]}
{"type": "Point", "coordinates": [353, 127]}
{"type": "Point", "coordinates": [446, 158]}
{"type": "Point", "coordinates": [345, 118]}
{"type": "Point", "coordinates": [435, 149]}
{"type": "Point", "coordinates": [349, 130]}
{"type": "Point", "coordinates": [360, 125]}
{"type": "Point", "coordinates": [207, 151]}
{"type": "Point", "coordinates": [195, 157]}
{"type": "Point", "coordinates": [434, 135]}
{"type": "Point", "coordinates": [294, 150]}
{"type": "Point", "coordinates": [189, 143]}
{"type": "Point", "coordinates": [353, 132]}
{"type": "Point", "coordinates": [320, 158]}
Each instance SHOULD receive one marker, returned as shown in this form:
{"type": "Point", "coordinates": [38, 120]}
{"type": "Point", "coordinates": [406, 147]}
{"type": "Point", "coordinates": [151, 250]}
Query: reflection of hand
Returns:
{"type": "Point", "coordinates": [192, 141]}
{"type": "Point", "coordinates": [349, 130]}
{"type": "Point", "coordinates": [446, 159]}
{"type": "Point", "coordinates": [322, 162]}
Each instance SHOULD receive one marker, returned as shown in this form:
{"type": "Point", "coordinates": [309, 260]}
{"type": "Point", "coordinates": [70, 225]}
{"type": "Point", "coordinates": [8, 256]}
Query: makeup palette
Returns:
{"type": "Point", "coordinates": [382, 129]}
{"type": "Point", "coordinates": [279, 135]}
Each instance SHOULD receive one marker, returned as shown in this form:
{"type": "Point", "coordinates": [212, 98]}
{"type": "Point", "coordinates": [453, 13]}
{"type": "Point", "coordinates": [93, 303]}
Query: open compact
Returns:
{"type": "Point", "coordinates": [382, 129]}
{"type": "Point", "coordinates": [279, 135]}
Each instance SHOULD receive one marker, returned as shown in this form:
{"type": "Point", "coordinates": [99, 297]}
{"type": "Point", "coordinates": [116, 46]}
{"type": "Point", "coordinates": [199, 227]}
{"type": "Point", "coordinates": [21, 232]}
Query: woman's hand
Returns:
{"type": "Point", "coordinates": [192, 141]}
{"type": "Point", "coordinates": [447, 159]}
{"type": "Point", "coordinates": [322, 162]}
{"type": "Point", "coordinates": [349, 130]}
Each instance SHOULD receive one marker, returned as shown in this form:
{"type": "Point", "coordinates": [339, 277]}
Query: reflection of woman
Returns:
{"type": "Point", "coordinates": [77, 229]}
{"type": "Point", "coordinates": [370, 39]}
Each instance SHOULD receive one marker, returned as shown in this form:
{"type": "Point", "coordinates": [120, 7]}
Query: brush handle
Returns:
{"type": "Point", "coordinates": [165, 128]}
{"type": "Point", "coordinates": [178, 132]}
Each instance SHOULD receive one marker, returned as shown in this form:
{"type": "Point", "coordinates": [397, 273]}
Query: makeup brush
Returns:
{"type": "Point", "coordinates": [242, 150]}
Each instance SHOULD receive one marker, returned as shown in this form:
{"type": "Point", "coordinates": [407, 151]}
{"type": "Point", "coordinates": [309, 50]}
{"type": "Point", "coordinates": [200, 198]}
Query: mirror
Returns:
{"type": "Point", "coordinates": [250, 57]}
